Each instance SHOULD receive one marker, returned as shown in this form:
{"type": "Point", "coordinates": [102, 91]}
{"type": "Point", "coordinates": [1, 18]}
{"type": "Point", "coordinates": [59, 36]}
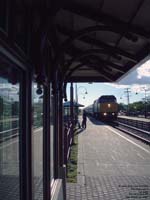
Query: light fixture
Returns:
{"type": "Point", "coordinates": [39, 90]}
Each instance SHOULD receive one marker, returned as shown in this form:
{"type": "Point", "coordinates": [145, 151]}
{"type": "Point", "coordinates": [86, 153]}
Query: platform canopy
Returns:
{"type": "Point", "coordinates": [102, 40]}
{"type": "Point", "coordinates": [75, 104]}
{"type": "Point", "coordinates": [89, 40]}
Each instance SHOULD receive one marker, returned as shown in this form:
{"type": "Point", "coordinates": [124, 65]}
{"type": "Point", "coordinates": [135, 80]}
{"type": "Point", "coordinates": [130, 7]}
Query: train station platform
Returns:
{"type": "Point", "coordinates": [111, 165]}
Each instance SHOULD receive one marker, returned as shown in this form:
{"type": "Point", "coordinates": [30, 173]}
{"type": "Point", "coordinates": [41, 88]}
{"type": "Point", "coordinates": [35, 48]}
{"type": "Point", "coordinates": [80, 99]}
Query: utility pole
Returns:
{"type": "Point", "coordinates": [145, 102]}
{"type": "Point", "coordinates": [76, 93]}
{"type": "Point", "coordinates": [127, 91]}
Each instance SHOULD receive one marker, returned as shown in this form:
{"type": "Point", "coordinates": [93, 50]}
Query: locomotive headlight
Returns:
{"type": "Point", "coordinates": [105, 114]}
{"type": "Point", "coordinates": [113, 113]}
{"type": "Point", "coordinates": [109, 105]}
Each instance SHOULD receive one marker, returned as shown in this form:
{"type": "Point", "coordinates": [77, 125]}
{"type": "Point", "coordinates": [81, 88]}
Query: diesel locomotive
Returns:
{"type": "Point", "coordinates": [104, 108]}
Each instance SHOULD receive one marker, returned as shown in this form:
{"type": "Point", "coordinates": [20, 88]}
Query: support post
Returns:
{"type": "Point", "coordinates": [71, 111]}
{"type": "Point", "coordinates": [61, 126]}
{"type": "Point", "coordinates": [46, 143]}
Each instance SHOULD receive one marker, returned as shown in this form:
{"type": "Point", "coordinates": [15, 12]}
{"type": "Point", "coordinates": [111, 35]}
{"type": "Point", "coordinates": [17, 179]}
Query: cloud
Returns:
{"type": "Point", "coordinates": [141, 75]}
{"type": "Point", "coordinates": [144, 70]}
{"type": "Point", "coordinates": [115, 85]}
{"type": "Point", "coordinates": [139, 88]}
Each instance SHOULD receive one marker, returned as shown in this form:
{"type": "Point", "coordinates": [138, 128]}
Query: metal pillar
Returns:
{"type": "Point", "coordinates": [46, 143]}
{"type": "Point", "coordinates": [56, 127]}
{"type": "Point", "coordinates": [76, 108]}
{"type": "Point", "coordinates": [25, 137]}
{"type": "Point", "coordinates": [61, 125]}
{"type": "Point", "coordinates": [71, 110]}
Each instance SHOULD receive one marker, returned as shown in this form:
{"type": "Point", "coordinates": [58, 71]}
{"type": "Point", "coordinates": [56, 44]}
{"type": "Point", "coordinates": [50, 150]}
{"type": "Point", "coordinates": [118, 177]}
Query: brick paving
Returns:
{"type": "Point", "coordinates": [9, 188]}
{"type": "Point", "coordinates": [110, 167]}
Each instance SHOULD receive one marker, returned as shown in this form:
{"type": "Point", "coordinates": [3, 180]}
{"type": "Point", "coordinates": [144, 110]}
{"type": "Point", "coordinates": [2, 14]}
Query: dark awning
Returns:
{"type": "Point", "coordinates": [88, 40]}
{"type": "Point", "coordinates": [101, 40]}
{"type": "Point", "coordinates": [75, 104]}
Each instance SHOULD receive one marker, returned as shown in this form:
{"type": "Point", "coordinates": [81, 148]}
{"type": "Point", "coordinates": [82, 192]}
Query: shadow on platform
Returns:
{"type": "Point", "coordinates": [79, 130]}
{"type": "Point", "coordinates": [95, 121]}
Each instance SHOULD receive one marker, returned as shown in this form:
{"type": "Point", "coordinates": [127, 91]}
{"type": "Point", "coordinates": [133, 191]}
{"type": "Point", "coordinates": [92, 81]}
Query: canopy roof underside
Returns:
{"type": "Point", "coordinates": [102, 39]}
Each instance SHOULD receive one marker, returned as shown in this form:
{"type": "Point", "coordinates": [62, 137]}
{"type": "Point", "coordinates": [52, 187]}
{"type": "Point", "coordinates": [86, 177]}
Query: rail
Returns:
{"type": "Point", "coordinates": [11, 133]}
{"type": "Point", "coordinates": [140, 134]}
{"type": "Point", "coordinates": [10, 127]}
{"type": "Point", "coordinates": [140, 124]}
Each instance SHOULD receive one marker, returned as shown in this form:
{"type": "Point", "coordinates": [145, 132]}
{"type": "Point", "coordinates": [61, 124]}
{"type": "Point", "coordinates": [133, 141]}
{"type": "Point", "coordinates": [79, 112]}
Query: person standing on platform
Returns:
{"type": "Point", "coordinates": [84, 119]}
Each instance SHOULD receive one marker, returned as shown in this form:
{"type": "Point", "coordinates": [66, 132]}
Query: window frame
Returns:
{"type": "Point", "coordinates": [25, 173]}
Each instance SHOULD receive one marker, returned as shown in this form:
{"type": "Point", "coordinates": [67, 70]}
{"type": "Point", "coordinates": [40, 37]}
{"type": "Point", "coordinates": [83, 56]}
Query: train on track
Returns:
{"type": "Point", "coordinates": [104, 108]}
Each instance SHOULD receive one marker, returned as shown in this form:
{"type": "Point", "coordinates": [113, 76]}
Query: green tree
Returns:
{"type": "Point", "coordinates": [122, 107]}
{"type": "Point", "coordinates": [137, 106]}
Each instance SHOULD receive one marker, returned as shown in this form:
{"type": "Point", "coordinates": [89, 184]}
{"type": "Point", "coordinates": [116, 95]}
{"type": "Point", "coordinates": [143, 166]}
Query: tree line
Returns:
{"type": "Point", "coordinates": [135, 108]}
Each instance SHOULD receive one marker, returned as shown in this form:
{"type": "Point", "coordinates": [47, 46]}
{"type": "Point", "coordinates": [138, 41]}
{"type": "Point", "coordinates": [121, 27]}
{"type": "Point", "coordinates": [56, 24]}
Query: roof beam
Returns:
{"type": "Point", "coordinates": [85, 31]}
{"type": "Point", "coordinates": [99, 44]}
{"type": "Point", "coordinates": [87, 79]}
{"type": "Point", "coordinates": [100, 62]}
{"type": "Point", "coordinates": [106, 63]}
{"type": "Point", "coordinates": [90, 53]}
{"type": "Point", "coordinates": [108, 47]}
{"type": "Point", "coordinates": [87, 12]}
{"type": "Point", "coordinates": [102, 73]}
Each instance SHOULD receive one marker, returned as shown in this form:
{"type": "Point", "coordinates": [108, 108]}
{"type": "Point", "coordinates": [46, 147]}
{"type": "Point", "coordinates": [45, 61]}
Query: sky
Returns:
{"type": "Point", "coordinates": [137, 80]}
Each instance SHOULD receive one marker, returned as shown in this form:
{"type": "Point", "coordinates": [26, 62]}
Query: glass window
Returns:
{"type": "Point", "coordinates": [37, 141]}
{"type": "Point", "coordinates": [51, 134]}
{"type": "Point", "coordinates": [9, 133]}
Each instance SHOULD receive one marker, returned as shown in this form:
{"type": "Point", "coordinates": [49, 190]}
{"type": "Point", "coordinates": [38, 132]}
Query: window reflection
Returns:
{"type": "Point", "coordinates": [9, 136]}
{"type": "Point", "coordinates": [37, 142]}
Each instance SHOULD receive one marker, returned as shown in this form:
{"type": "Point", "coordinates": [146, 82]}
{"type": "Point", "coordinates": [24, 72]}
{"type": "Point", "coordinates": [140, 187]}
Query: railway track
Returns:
{"type": "Point", "coordinates": [12, 133]}
{"type": "Point", "coordinates": [140, 134]}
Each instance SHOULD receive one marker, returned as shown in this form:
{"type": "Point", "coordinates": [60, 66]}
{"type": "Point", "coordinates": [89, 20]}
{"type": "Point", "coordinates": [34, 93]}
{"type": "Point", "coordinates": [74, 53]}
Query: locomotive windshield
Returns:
{"type": "Point", "coordinates": [107, 98]}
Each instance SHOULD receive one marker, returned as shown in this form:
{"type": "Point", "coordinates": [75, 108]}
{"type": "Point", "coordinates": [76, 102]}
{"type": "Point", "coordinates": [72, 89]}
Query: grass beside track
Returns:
{"type": "Point", "coordinates": [73, 161]}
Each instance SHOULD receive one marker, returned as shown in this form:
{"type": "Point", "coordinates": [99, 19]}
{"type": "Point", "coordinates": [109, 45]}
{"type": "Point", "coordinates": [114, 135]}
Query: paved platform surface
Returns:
{"type": "Point", "coordinates": [9, 168]}
{"type": "Point", "coordinates": [111, 166]}
{"type": "Point", "coordinates": [9, 188]}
